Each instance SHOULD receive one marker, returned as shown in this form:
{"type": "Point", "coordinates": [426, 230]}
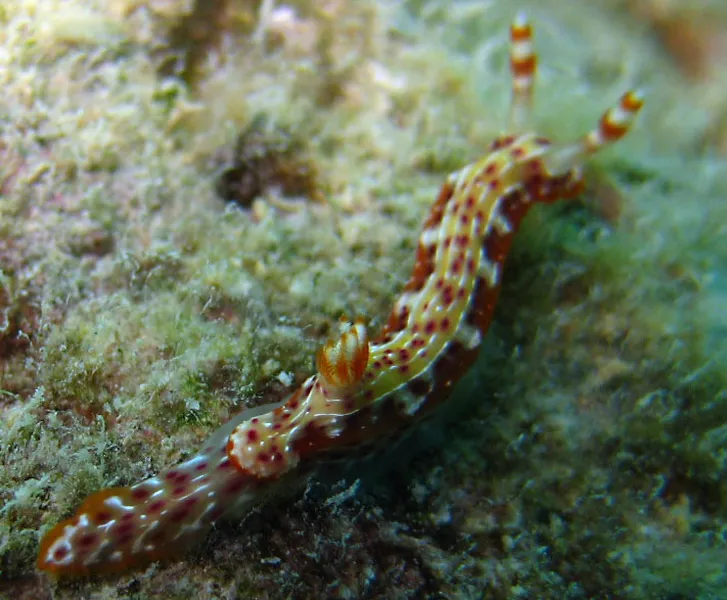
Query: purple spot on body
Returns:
{"type": "Point", "coordinates": [87, 540]}
{"type": "Point", "coordinates": [236, 485]}
{"type": "Point", "coordinates": [102, 517]}
{"type": "Point", "coordinates": [122, 530]}
{"type": "Point", "coordinates": [140, 493]}
{"type": "Point", "coordinates": [60, 553]}
{"type": "Point", "coordinates": [179, 514]}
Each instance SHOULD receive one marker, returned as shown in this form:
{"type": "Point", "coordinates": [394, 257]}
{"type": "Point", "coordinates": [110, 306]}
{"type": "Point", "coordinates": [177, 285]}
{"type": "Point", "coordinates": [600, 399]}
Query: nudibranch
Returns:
{"type": "Point", "coordinates": [364, 390]}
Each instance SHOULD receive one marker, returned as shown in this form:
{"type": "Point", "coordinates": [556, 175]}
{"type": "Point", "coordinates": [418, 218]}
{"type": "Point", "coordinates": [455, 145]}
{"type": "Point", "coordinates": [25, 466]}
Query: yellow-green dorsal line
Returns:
{"type": "Point", "coordinates": [364, 390]}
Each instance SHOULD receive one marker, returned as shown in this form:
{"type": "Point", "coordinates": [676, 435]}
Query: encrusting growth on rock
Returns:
{"type": "Point", "coordinates": [364, 390]}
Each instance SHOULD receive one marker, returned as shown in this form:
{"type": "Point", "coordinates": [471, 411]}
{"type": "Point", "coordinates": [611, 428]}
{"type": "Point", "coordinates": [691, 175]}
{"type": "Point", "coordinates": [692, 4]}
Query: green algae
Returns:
{"type": "Point", "coordinates": [594, 433]}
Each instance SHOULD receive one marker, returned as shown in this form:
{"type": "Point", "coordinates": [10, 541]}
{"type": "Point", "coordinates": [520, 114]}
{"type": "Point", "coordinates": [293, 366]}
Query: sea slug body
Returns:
{"type": "Point", "coordinates": [364, 390]}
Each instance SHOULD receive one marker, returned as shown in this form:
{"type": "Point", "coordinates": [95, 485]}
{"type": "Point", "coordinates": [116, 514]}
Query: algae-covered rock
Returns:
{"type": "Point", "coordinates": [583, 457]}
